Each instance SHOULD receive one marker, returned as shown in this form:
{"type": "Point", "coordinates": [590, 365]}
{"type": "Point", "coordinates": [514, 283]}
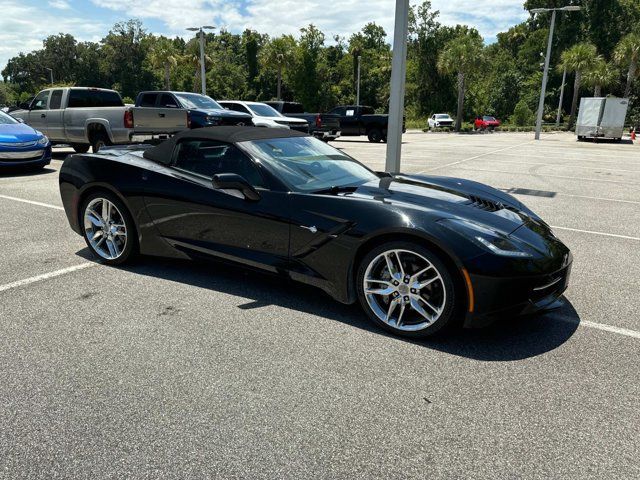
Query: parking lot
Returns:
{"type": "Point", "coordinates": [169, 369]}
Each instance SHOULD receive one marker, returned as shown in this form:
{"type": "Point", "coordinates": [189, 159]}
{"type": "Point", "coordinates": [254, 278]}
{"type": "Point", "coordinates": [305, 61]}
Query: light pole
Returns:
{"type": "Point", "coordinates": [358, 87]}
{"type": "Point", "coordinates": [398, 77]}
{"type": "Point", "coordinates": [547, 58]}
{"type": "Point", "coordinates": [280, 57]}
{"type": "Point", "coordinates": [200, 31]}
{"type": "Point", "coordinates": [564, 79]}
{"type": "Point", "coordinates": [50, 73]}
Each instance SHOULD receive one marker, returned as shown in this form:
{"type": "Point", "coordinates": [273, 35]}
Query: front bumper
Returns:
{"type": "Point", "coordinates": [514, 296]}
{"type": "Point", "coordinates": [328, 135]}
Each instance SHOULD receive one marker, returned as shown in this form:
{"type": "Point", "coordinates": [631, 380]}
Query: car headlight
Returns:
{"type": "Point", "coordinates": [487, 238]}
{"type": "Point", "coordinates": [212, 119]}
{"type": "Point", "coordinates": [43, 141]}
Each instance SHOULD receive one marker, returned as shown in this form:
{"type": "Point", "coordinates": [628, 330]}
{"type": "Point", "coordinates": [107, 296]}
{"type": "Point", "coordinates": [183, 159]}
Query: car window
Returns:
{"type": "Point", "coordinates": [350, 112]}
{"type": "Point", "coordinates": [148, 100]}
{"type": "Point", "coordinates": [489, 119]}
{"type": "Point", "coordinates": [307, 164]}
{"type": "Point", "coordinates": [197, 101]}
{"type": "Point", "coordinates": [82, 98]}
{"type": "Point", "coordinates": [6, 119]}
{"type": "Point", "coordinates": [292, 108]}
{"type": "Point", "coordinates": [236, 107]}
{"type": "Point", "coordinates": [40, 102]}
{"type": "Point", "coordinates": [262, 110]}
{"type": "Point", "coordinates": [167, 101]}
{"type": "Point", "coordinates": [339, 111]}
{"type": "Point", "coordinates": [368, 110]}
{"type": "Point", "coordinates": [209, 158]}
{"type": "Point", "coordinates": [56, 100]}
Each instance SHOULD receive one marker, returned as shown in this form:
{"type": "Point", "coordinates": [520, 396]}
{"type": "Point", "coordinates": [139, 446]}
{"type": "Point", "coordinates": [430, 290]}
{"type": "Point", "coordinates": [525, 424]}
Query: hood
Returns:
{"type": "Point", "coordinates": [223, 113]}
{"type": "Point", "coordinates": [18, 133]}
{"type": "Point", "coordinates": [447, 197]}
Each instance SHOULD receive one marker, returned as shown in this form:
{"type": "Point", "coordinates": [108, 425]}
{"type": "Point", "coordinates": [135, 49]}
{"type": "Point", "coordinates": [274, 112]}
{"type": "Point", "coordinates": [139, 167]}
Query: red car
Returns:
{"type": "Point", "coordinates": [486, 122]}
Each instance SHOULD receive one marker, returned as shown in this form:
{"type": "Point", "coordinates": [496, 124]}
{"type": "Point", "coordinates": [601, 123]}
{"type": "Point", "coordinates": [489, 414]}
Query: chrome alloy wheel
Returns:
{"type": "Point", "coordinates": [105, 228]}
{"type": "Point", "coordinates": [404, 290]}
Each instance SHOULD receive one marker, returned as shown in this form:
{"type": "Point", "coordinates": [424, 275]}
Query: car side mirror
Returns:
{"type": "Point", "coordinates": [25, 106]}
{"type": "Point", "coordinates": [232, 181]}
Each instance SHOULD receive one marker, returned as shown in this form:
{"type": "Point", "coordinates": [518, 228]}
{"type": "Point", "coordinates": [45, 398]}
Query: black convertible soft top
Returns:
{"type": "Point", "coordinates": [162, 153]}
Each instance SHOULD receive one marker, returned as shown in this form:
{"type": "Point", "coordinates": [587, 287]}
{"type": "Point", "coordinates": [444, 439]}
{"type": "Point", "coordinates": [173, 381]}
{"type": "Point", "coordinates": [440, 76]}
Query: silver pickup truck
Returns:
{"type": "Point", "coordinates": [93, 117]}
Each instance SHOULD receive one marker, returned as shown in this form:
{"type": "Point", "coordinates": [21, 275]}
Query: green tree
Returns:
{"type": "Point", "coordinates": [461, 56]}
{"type": "Point", "coordinates": [522, 114]}
{"type": "Point", "coordinates": [277, 56]}
{"type": "Point", "coordinates": [124, 55]}
{"type": "Point", "coordinates": [628, 53]}
{"type": "Point", "coordinates": [601, 75]}
{"type": "Point", "coordinates": [578, 59]}
{"type": "Point", "coordinates": [163, 56]}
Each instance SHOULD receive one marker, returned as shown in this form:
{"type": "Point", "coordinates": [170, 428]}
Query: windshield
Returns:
{"type": "Point", "coordinates": [263, 110]}
{"type": "Point", "coordinates": [441, 116]}
{"type": "Point", "coordinates": [6, 119]}
{"type": "Point", "coordinates": [489, 119]}
{"type": "Point", "coordinates": [193, 100]}
{"type": "Point", "coordinates": [307, 164]}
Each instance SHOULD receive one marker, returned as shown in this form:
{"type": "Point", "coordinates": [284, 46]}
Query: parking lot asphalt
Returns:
{"type": "Point", "coordinates": [168, 369]}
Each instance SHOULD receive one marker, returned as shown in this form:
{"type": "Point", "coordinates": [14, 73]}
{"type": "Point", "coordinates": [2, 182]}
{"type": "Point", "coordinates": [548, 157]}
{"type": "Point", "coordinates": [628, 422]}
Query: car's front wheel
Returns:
{"type": "Point", "coordinates": [406, 289]}
{"type": "Point", "coordinates": [108, 228]}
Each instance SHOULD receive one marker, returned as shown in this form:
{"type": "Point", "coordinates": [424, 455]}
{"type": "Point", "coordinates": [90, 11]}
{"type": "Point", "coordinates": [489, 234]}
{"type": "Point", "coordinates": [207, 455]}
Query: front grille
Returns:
{"type": "Point", "coordinates": [18, 145]}
{"type": "Point", "coordinates": [17, 156]}
{"type": "Point", "coordinates": [237, 122]}
{"type": "Point", "coordinates": [484, 204]}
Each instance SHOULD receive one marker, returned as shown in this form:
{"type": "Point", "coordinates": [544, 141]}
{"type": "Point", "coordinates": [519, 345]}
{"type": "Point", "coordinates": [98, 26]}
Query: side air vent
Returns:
{"type": "Point", "coordinates": [484, 204]}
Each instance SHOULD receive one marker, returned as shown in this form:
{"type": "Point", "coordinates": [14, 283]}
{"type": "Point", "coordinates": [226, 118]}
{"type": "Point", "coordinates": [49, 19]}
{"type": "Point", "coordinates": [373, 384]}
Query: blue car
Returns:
{"type": "Point", "coordinates": [21, 145]}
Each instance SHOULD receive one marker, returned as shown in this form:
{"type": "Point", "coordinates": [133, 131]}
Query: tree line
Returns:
{"type": "Point", "coordinates": [449, 69]}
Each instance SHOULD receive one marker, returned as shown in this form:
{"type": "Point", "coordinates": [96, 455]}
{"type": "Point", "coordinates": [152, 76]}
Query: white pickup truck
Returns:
{"type": "Point", "coordinates": [94, 117]}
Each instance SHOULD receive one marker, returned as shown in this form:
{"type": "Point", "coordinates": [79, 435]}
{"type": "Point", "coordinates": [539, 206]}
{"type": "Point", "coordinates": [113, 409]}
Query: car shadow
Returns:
{"type": "Point", "coordinates": [506, 340]}
{"type": "Point", "coordinates": [25, 171]}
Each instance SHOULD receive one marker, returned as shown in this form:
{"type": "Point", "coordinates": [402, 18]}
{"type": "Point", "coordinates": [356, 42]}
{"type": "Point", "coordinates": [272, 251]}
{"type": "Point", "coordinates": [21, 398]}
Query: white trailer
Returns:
{"type": "Point", "coordinates": [602, 117]}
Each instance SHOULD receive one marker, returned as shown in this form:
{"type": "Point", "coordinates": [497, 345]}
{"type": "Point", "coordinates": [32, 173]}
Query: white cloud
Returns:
{"type": "Point", "coordinates": [60, 4]}
{"type": "Point", "coordinates": [22, 28]}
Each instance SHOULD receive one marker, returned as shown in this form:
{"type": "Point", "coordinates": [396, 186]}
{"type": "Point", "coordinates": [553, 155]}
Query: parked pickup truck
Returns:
{"type": "Point", "coordinates": [84, 117]}
{"type": "Point", "coordinates": [321, 125]}
{"type": "Point", "coordinates": [356, 120]}
{"type": "Point", "coordinates": [203, 110]}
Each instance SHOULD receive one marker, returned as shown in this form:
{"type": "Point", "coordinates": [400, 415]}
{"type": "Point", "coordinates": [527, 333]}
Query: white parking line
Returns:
{"type": "Point", "coordinates": [603, 234]}
{"type": "Point", "coordinates": [46, 276]}
{"type": "Point", "coordinates": [40, 204]}
{"type": "Point", "coordinates": [477, 156]}
{"type": "Point", "coordinates": [559, 194]}
{"type": "Point", "coordinates": [548, 175]}
{"type": "Point", "coordinates": [601, 326]}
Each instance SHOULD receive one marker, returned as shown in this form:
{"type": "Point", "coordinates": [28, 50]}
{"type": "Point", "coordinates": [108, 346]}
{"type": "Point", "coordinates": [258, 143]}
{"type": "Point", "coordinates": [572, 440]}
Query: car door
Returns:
{"type": "Point", "coordinates": [351, 121]}
{"type": "Point", "coordinates": [198, 219]}
{"type": "Point", "coordinates": [38, 111]}
{"type": "Point", "coordinates": [55, 120]}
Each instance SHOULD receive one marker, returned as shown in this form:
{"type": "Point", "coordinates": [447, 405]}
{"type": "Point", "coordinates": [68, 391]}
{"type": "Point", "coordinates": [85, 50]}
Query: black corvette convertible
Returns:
{"type": "Point", "coordinates": [418, 252]}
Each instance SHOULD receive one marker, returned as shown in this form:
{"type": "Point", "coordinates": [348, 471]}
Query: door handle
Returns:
{"type": "Point", "coordinates": [161, 115]}
{"type": "Point", "coordinates": [43, 115]}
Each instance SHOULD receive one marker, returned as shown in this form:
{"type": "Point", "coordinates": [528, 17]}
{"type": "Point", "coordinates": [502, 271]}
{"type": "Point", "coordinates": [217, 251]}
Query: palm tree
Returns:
{"type": "Point", "coordinates": [164, 56]}
{"type": "Point", "coordinates": [601, 75]}
{"type": "Point", "coordinates": [463, 56]}
{"type": "Point", "coordinates": [628, 52]}
{"type": "Point", "coordinates": [192, 59]}
{"type": "Point", "coordinates": [579, 59]}
{"type": "Point", "coordinates": [278, 54]}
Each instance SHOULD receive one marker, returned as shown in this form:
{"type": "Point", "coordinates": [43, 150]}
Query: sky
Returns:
{"type": "Point", "coordinates": [25, 23]}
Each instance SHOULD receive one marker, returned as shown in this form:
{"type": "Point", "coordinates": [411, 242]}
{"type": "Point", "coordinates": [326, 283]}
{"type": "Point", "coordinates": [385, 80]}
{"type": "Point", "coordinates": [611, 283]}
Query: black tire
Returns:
{"type": "Point", "coordinates": [131, 249]}
{"type": "Point", "coordinates": [99, 140]}
{"type": "Point", "coordinates": [375, 135]}
{"type": "Point", "coordinates": [450, 311]}
{"type": "Point", "coordinates": [80, 147]}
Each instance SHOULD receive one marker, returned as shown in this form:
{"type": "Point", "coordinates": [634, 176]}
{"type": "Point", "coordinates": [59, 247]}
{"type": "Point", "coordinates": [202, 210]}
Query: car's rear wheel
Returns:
{"type": "Point", "coordinates": [108, 228]}
{"type": "Point", "coordinates": [99, 140]}
{"type": "Point", "coordinates": [406, 289]}
{"type": "Point", "coordinates": [375, 135]}
{"type": "Point", "coordinates": [80, 147]}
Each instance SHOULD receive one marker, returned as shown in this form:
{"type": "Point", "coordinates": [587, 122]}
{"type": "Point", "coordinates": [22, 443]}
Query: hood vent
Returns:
{"type": "Point", "coordinates": [484, 204]}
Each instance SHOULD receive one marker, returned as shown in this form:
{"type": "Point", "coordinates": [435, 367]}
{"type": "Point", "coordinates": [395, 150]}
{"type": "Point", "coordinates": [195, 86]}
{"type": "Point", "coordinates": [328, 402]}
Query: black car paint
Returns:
{"type": "Point", "coordinates": [181, 215]}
